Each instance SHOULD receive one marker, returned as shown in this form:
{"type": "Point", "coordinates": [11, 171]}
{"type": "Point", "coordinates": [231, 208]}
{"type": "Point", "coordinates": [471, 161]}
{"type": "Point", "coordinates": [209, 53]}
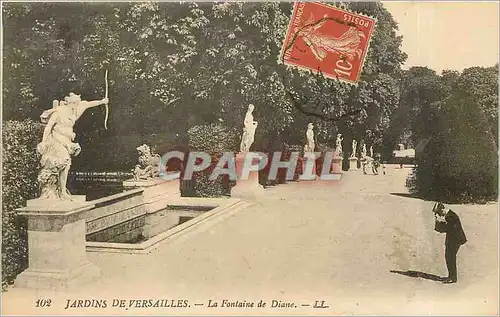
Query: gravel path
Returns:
{"type": "Point", "coordinates": [304, 242]}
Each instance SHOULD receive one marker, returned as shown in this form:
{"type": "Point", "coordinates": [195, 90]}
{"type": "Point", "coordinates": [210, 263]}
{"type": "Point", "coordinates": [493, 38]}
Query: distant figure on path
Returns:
{"type": "Point", "coordinates": [448, 222]}
{"type": "Point", "coordinates": [376, 164]}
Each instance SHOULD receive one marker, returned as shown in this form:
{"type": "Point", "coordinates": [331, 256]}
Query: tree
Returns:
{"type": "Point", "coordinates": [460, 162]}
{"type": "Point", "coordinates": [244, 66]}
{"type": "Point", "coordinates": [173, 66]}
{"type": "Point", "coordinates": [480, 84]}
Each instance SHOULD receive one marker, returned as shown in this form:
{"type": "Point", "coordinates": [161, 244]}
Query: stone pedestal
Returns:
{"type": "Point", "coordinates": [298, 169]}
{"type": "Point", "coordinates": [365, 163]}
{"type": "Point", "coordinates": [246, 188]}
{"type": "Point", "coordinates": [157, 193]}
{"type": "Point", "coordinates": [308, 170]}
{"type": "Point", "coordinates": [353, 164]}
{"type": "Point", "coordinates": [56, 245]}
{"type": "Point", "coordinates": [337, 165]}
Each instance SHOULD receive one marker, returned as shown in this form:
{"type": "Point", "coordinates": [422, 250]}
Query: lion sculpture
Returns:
{"type": "Point", "coordinates": [148, 164]}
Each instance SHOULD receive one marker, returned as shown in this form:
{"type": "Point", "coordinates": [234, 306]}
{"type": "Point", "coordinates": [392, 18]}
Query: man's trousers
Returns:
{"type": "Point", "coordinates": [450, 255]}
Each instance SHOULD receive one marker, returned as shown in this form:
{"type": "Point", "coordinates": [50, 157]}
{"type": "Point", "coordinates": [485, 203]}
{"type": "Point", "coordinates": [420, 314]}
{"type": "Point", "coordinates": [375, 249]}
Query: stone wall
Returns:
{"type": "Point", "coordinates": [118, 218]}
{"type": "Point", "coordinates": [126, 232]}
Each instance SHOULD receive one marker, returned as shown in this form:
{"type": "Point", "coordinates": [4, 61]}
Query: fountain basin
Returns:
{"type": "Point", "coordinates": [146, 232]}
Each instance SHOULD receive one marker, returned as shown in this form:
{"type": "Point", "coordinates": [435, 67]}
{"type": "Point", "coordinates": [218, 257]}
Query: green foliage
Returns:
{"type": "Point", "coordinates": [377, 94]}
{"type": "Point", "coordinates": [460, 162]}
{"type": "Point", "coordinates": [213, 139]}
{"type": "Point", "coordinates": [421, 89]}
{"type": "Point", "coordinates": [202, 62]}
{"type": "Point", "coordinates": [481, 85]}
{"type": "Point", "coordinates": [119, 153]}
{"type": "Point", "coordinates": [20, 167]}
{"type": "Point", "coordinates": [204, 187]}
{"type": "Point", "coordinates": [289, 148]}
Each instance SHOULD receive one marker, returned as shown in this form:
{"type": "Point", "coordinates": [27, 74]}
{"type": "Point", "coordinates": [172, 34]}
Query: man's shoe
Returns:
{"type": "Point", "coordinates": [449, 281]}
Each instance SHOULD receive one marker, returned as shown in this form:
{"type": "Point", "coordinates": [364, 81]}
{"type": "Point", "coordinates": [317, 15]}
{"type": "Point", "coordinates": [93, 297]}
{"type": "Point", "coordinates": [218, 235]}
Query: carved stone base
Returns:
{"type": "Point", "coordinates": [41, 204]}
{"type": "Point", "coordinates": [353, 164]}
{"type": "Point", "coordinates": [308, 170]}
{"type": "Point", "coordinates": [337, 165]}
{"type": "Point", "coordinates": [246, 188]}
{"type": "Point", "coordinates": [57, 279]}
{"type": "Point", "coordinates": [56, 245]}
{"type": "Point", "coordinates": [156, 191]}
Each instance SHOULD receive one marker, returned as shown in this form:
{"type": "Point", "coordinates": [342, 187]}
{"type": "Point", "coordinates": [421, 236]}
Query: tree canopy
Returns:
{"type": "Point", "coordinates": [173, 66]}
{"type": "Point", "coordinates": [458, 114]}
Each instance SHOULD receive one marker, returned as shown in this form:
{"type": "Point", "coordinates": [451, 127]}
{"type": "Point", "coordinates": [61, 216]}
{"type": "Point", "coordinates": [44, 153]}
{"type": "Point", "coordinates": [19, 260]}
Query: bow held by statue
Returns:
{"type": "Point", "coordinates": [106, 104]}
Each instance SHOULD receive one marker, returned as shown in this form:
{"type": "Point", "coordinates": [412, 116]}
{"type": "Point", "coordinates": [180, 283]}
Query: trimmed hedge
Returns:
{"type": "Point", "coordinates": [460, 163]}
{"type": "Point", "coordinates": [271, 145]}
{"type": "Point", "coordinates": [324, 149]}
{"type": "Point", "coordinates": [213, 139]}
{"type": "Point", "coordinates": [20, 169]}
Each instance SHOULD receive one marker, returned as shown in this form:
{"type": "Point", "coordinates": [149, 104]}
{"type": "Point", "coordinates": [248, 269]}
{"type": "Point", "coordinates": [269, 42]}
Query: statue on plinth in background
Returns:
{"type": "Point", "coordinates": [338, 145]}
{"type": "Point", "coordinates": [248, 130]}
{"type": "Point", "coordinates": [58, 146]}
{"type": "Point", "coordinates": [371, 151]}
{"type": "Point", "coordinates": [148, 164]}
{"type": "Point", "coordinates": [365, 159]}
{"type": "Point", "coordinates": [354, 146]}
{"type": "Point", "coordinates": [309, 147]}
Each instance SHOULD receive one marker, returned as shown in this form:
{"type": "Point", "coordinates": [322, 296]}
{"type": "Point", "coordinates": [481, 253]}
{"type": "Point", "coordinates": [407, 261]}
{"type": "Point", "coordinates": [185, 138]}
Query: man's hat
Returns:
{"type": "Point", "coordinates": [438, 206]}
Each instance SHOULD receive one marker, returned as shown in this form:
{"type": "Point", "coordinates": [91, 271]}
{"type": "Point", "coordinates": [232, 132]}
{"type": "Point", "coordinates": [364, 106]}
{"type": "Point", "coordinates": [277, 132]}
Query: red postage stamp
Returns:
{"type": "Point", "coordinates": [327, 39]}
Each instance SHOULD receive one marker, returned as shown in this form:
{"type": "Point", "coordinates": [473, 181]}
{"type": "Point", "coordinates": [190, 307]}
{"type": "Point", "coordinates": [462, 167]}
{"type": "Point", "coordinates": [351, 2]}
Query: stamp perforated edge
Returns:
{"type": "Point", "coordinates": [304, 69]}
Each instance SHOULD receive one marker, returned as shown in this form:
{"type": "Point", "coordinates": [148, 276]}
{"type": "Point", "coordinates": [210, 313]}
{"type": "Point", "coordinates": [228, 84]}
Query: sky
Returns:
{"type": "Point", "coordinates": [448, 35]}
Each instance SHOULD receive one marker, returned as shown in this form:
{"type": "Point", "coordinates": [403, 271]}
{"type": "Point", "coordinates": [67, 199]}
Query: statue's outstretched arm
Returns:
{"type": "Point", "coordinates": [95, 103]}
{"type": "Point", "coordinates": [84, 105]}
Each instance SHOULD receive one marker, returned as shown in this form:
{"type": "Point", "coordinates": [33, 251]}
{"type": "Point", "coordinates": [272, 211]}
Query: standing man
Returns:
{"type": "Point", "coordinates": [376, 164]}
{"type": "Point", "coordinates": [448, 222]}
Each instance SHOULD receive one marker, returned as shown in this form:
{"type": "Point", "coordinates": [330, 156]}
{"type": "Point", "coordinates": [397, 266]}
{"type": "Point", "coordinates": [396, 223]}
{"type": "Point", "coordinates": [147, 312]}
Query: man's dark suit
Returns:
{"type": "Point", "coordinates": [455, 237]}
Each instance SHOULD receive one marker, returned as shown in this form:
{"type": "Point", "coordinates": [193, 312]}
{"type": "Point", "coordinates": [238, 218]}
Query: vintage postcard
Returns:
{"type": "Point", "coordinates": [250, 158]}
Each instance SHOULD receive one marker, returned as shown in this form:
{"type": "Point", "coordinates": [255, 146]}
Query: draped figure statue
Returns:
{"type": "Point", "coordinates": [354, 146]}
{"type": "Point", "coordinates": [248, 130]}
{"type": "Point", "coordinates": [338, 145]}
{"type": "Point", "coordinates": [58, 146]}
{"type": "Point", "coordinates": [309, 147]}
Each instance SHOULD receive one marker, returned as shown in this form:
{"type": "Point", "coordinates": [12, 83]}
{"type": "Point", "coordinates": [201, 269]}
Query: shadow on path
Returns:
{"type": "Point", "coordinates": [441, 199]}
{"type": "Point", "coordinates": [406, 195]}
{"type": "Point", "coordinates": [427, 276]}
